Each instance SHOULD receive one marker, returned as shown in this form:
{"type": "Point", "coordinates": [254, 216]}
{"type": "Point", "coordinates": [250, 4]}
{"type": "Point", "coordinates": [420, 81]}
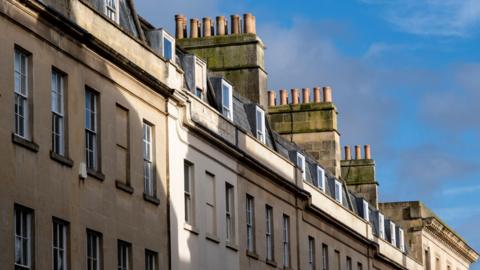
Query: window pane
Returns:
{"type": "Point", "coordinates": [167, 49]}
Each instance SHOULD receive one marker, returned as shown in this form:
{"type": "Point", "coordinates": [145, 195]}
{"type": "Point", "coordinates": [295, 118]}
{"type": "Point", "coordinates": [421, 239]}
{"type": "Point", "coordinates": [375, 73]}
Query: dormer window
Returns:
{"type": "Point", "coordinates": [393, 237]}
{"type": "Point", "coordinates": [200, 77]}
{"type": "Point", "coordinates": [227, 100]}
{"type": "Point", "coordinates": [366, 211]}
{"type": "Point", "coordinates": [260, 120]}
{"type": "Point", "coordinates": [301, 165]}
{"type": "Point", "coordinates": [320, 179]}
{"type": "Point", "coordinates": [111, 10]}
{"type": "Point", "coordinates": [381, 225]}
{"type": "Point", "coordinates": [168, 46]}
{"type": "Point", "coordinates": [338, 192]}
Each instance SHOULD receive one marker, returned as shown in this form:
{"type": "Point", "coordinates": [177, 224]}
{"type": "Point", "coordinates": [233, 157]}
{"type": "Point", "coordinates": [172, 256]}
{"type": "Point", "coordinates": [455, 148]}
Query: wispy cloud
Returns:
{"type": "Point", "coordinates": [432, 17]}
{"type": "Point", "coordinates": [461, 190]}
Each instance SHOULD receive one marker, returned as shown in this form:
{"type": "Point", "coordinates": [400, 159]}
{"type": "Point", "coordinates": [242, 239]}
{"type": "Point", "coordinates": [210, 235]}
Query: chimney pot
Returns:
{"type": "Point", "coordinates": [207, 27]}
{"type": "Point", "coordinates": [368, 154]}
{"type": "Point", "coordinates": [220, 25]}
{"type": "Point", "coordinates": [193, 28]}
{"type": "Point", "coordinates": [306, 95]}
{"type": "Point", "coordinates": [348, 153]}
{"type": "Point", "coordinates": [294, 96]}
{"type": "Point", "coordinates": [316, 95]}
{"type": "Point", "coordinates": [248, 23]}
{"type": "Point", "coordinates": [180, 26]}
{"type": "Point", "coordinates": [235, 24]}
{"type": "Point", "coordinates": [358, 154]}
{"type": "Point", "coordinates": [271, 98]}
{"type": "Point", "coordinates": [283, 97]}
{"type": "Point", "coordinates": [327, 94]}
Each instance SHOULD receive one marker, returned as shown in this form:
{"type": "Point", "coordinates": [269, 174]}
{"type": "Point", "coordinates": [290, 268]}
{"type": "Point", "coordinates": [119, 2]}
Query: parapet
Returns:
{"type": "Point", "coordinates": [206, 27]}
{"type": "Point", "coordinates": [305, 97]}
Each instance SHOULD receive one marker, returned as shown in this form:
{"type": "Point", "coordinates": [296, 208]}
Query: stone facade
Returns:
{"type": "Point", "coordinates": [213, 179]}
{"type": "Point", "coordinates": [313, 127]}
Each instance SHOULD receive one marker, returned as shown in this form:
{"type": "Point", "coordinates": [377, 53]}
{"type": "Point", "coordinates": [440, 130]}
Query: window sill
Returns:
{"type": "Point", "coordinates": [252, 254]}
{"type": "Point", "coordinates": [190, 228]}
{"type": "Point", "coordinates": [61, 159]}
{"type": "Point", "coordinates": [122, 186]}
{"type": "Point", "coordinates": [24, 143]}
{"type": "Point", "coordinates": [231, 246]}
{"type": "Point", "coordinates": [271, 263]}
{"type": "Point", "coordinates": [212, 238]}
{"type": "Point", "coordinates": [96, 174]}
{"type": "Point", "coordinates": [151, 199]}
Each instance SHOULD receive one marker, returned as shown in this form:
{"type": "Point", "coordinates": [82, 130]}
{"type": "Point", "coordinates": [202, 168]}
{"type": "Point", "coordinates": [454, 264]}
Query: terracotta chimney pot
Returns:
{"type": "Point", "coordinates": [306, 95]}
{"type": "Point", "coordinates": [327, 94]}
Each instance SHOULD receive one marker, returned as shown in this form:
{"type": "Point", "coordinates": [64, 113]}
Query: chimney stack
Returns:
{"type": "Point", "coordinates": [368, 154]}
{"type": "Point", "coordinates": [294, 96]}
{"type": "Point", "coordinates": [235, 24]}
{"type": "Point", "coordinates": [327, 94]}
{"type": "Point", "coordinates": [207, 27]}
{"type": "Point", "coordinates": [249, 23]}
{"type": "Point", "coordinates": [271, 98]}
{"type": "Point", "coordinates": [358, 153]}
{"type": "Point", "coordinates": [194, 28]}
{"type": "Point", "coordinates": [180, 26]}
{"type": "Point", "coordinates": [359, 174]}
{"type": "Point", "coordinates": [220, 25]}
{"type": "Point", "coordinates": [348, 153]}
{"type": "Point", "coordinates": [316, 95]}
{"type": "Point", "coordinates": [306, 95]}
{"type": "Point", "coordinates": [283, 97]}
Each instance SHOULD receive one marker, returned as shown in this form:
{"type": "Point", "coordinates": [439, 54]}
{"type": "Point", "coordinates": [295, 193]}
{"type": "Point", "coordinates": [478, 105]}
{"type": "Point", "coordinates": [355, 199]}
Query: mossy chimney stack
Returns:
{"type": "Point", "coordinates": [311, 124]}
{"type": "Point", "coordinates": [359, 174]}
{"type": "Point", "coordinates": [237, 55]}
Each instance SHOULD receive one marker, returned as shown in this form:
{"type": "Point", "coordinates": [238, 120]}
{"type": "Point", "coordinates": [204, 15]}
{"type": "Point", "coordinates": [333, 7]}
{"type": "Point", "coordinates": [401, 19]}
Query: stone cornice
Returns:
{"type": "Point", "coordinates": [450, 238]}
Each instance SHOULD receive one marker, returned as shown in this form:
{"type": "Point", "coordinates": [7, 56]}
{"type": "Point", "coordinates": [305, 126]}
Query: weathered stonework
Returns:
{"type": "Point", "coordinates": [312, 126]}
{"type": "Point", "coordinates": [359, 174]}
{"type": "Point", "coordinates": [239, 58]}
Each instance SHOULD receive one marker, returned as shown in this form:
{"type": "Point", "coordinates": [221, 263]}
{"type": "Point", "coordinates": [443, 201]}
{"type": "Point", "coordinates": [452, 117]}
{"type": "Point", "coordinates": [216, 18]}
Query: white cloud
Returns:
{"type": "Point", "coordinates": [432, 17]}
{"type": "Point", "coordinates": [461, 190]}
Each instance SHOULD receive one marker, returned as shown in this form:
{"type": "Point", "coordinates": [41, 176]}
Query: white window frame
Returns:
{"type": "Point", "coordinates": [260, 127]}
{"type": "Point", "coordinates": [94, 259]}
{"type": "Point", "coordinates": [21, 90]}
{"type": "Point", "coordinates": [227, 109]}
{"type": "Point", "coordinates": [230, 212]}
{"type": "Point", "coordinates": [250, 210]}
{"type": "Point", "coordinates": [188, 170]}
{"type": "Point", "coordinates": [123, 254]}
{"type": "Point", "coordinates": [286, 241]}
{"type": "Point", "coordinates": [151, 258]}
{"type": "Point", "coordinates": [23, 238]}
{"type": "Point", "coordinates": [60, 247]}
{"type": "Point", "coordinates": [311, 253]}
{"type": "Point", "coordinates": [269, 232]}
{"type": "Point", "coordinates": [112, 10]}
{"type": "Point", "coordinates": [366, 210]}
{"type": "Point", "coordinates": [148, 160]}
{"type": "Point", "coordinates": [58, 112]}
{"type": "Point", "coordinates": [166, 36]}
{"type": "Point", "coordinates": [91, 132]}
{"type": "Point", "coordinates": [393, 234]}
{"type": "Point", "coordinates": [402, 239]}
{"type": "Point", "coordinates": [301, 164]}
{"type": "Point", "coordinates": [200, 67]}
{"type": "Point", "coordinates": [381, 225]}
{"type": "Point", "coordinates": [320, 180]}
{"type": "Point", "coordinates": [338, 192]}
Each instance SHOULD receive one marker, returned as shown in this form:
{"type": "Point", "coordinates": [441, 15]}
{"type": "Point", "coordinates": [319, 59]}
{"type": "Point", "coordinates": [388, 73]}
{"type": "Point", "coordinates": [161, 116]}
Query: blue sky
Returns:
{"type": "Point", "coordinates": [405, 77]}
